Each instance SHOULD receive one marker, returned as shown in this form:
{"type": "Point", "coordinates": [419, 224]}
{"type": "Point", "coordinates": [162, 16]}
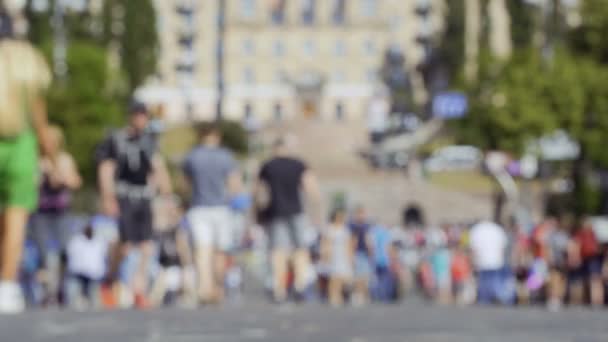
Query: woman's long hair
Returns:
{"type": "Point", "coordinates": [24, 76]}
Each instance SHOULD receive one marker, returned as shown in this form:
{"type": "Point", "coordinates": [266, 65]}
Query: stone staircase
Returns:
{"type": "Point", "coordinates": [331, 149]}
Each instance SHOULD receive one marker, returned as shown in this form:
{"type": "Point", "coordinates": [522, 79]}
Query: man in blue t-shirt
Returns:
{"type": "Point", "coordinates": [212, 173]}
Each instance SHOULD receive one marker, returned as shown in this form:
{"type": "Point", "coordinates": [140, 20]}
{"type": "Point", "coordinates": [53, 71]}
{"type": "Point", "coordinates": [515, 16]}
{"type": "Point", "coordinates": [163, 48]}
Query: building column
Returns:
{"type": "Point", "coordinates": [500, 41]}
{"type": "Point", "coordinates": [472, 37]}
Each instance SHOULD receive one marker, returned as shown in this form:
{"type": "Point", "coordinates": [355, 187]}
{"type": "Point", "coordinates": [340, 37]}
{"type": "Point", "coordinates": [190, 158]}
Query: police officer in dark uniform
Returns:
{"type": "Point", "coordinates": [131, 172]}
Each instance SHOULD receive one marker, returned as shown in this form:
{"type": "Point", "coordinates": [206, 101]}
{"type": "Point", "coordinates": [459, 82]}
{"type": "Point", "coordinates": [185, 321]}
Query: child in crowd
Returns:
{"type": "Point", "coordinates": [87, 260]}
{"type": "Point", "coordinates": [383, 286]}
{"type": "Point", "coordinates": [556, 289]}
{"type": "Point", "coordinates": [30, 265]}
{"type": "Point", "coordinates": [360, 228]}
{"type": "Point", "coordinates": [519, 258]}
{"type": "Point", "coordinates": [439, 258]}
{"type": "Point", "coordinates": [174, 257]}
{"type": "Point", "coordinates": [338, 249]}
{"type": "Point", "coordinates": [463, 282]}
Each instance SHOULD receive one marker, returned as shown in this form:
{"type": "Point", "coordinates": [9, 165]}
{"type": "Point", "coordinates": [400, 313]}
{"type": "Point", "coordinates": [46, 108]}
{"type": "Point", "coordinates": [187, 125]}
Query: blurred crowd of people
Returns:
{"type": "Point", "coordinates": [555, 263]}
{"type": "Point", "coordinates": [146, 247]}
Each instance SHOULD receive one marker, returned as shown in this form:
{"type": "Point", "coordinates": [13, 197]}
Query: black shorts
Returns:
{"type": "Point", "coordinates": [135, 222]}
{"type": "Point", "coordinates": [376, 137]}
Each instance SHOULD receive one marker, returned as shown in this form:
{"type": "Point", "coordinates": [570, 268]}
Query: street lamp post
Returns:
{"type": "Point", "coordinates": [60, 40]}
{"type": "Point", "coordinates": [221, 27]}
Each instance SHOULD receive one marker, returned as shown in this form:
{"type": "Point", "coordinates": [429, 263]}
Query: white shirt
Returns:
{"type": "Point", "coordinates": [87, 257]}
{"type": "Point", "coordinates": [488, 242]}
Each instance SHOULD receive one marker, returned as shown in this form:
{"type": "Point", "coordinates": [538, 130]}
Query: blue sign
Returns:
{"type": "Point", "coordinates": [450, 105]}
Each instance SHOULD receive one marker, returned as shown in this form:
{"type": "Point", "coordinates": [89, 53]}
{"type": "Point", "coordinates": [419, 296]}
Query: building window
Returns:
{"type": "Point", "coordinates": [371, 75]}
{"type": "Point", "coordinates": [248, 111]}
{"type": "Point", "coordinates": [248, 47]}
{"type": "Point", "coordinates": [279, 76]}
{"type": "Point", "coordinates": [278, 48]}
{"type": "Point", "coordinates": [369, 8]}
{"type": "Point", "coordinates": [278, 112]}
{"type": "Point", "coordinates": [339, 12]}
{"type": "Point", "coordinates": [278, 12]}
{"type": "Point", "coordinates": [309, 48]}
{"type": "Point", "coordinates": [395, 22]}
{"type": "Point", "coordinates": [308, 11]}
{"type": "Point", "coordinates": [248, 76]}
{"type": "Point", "coordinates": [370, 47]}
{"type": "Point", "coordinates": [338, 76]}
{"type": "Point", "coordinates": [339, 111]}
{"type": "Point", "coordinates": [185, 79]}
{"type": "Point", "coordinates": [340, 48]}
{"type": "Point", "coordinates": [248, 8]}
{"type": "Point", "coordinates": [40, 6]}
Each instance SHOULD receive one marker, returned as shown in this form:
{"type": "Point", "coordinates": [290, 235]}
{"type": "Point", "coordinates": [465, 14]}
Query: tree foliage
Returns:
{"type": "Point", "coordinates": [83, 104]}
{"type": "Point", "coordinates": [132, 23]}
{"type": "Point", "coordinates": [451, 49]}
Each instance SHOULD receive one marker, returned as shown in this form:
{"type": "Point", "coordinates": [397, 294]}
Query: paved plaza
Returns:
{"type": "Point", "coordinates": [315, 323]}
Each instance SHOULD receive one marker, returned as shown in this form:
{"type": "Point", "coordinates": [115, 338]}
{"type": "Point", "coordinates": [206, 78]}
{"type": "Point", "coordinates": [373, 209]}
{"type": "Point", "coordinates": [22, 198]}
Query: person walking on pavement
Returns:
{"type": "Point", "coordinates": [24, 77]}
{"type": "Point", "coordinates": [130, 172]}
{"type": "Point", "coordinates": [283, 178]}
{"type": "Point", "coordinates": [212, 174]}
{"type": "Point", "coordinates": [51, 221]}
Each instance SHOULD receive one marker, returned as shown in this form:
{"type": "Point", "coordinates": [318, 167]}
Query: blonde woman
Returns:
{"type": "Point", "coordinates": [24, 78]}
{"type": "Point", "coordinates": [59, 177]}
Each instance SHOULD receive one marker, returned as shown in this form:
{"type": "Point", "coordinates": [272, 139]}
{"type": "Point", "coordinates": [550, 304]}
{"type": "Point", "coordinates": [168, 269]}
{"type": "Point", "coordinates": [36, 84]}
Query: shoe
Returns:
{"type": "Point", "coordinates": [108, 300]}
{"type": "Point", "coordinates": [141, 302]}
{"type": "Point", "coordinates": [11, 298]}
{"type": "Point", "coordinates": [554, 305]}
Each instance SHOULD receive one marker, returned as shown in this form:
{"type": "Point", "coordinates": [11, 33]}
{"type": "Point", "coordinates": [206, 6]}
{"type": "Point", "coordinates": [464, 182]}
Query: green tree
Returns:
{"type": "Point", "coordinates": [522, 22]}
{"type": "Point", "coordinates": [83, 104]}
{"type": "Point", "coordinates": [451, 49]}
{"type": "Point", "coordinates": [589, 39]}
{"type": "Point", "coordinates": [508, 107]}
{"type": "Point", "coordinates": [132, 23]}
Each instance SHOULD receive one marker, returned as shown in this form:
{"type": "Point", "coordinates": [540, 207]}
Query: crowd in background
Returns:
{"type": "Point", "coordinates": [354, 260]}
{"type": "Point", "coordinates": [147, 248]}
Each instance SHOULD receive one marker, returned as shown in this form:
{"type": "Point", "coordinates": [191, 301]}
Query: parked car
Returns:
{"type": "Point", "coordinates": [454, 157]}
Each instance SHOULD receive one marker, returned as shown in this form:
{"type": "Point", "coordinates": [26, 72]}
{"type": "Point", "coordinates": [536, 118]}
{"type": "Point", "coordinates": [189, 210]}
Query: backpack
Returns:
{"type": "Point", "coordinates": [588, 244]}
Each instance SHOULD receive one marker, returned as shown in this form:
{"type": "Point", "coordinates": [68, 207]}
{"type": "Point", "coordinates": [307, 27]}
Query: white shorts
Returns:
{"type": "Point", "coordinates": [211, 226]}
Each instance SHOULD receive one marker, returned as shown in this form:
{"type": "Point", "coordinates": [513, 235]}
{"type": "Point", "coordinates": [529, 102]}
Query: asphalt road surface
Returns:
{"type": "Point", "coordinates": [264, 322]}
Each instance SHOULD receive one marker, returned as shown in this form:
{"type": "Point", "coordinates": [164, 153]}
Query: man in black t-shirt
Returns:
{"type": "Point", "coordinates": [285, 178]}
{"type": "Point", "coordinates": [130, 173]}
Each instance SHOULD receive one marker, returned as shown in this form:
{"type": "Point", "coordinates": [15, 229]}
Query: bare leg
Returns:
{"type": "Point", "coordinates": [14, 221]}
{"type": "Point", "coordinates": [219, 263]}
{"type": "Point", "coordinates": [577, 291]}
{"type": "Point", "coordinates": [279, 273]}
{"type": "Point", "coordinates": [117, 252]}
{"type": "Point", "coordinates": [361, 290]}
{"type": "Point", "coordinates": [301, 260]}
{"type": "Point", "coordinates": [159, 289]}
{"type": "Point", "coordinates": [444, 295]}
{"type": "Point", "coordinates": [336, 287]}
{"type": "Point", "coordinates": [140, 279]}
{"type": "Point", "coordinates": [557, 289]}
{"type": "Point", "coordinates": [204, 264]}
{"type": "Point", "coordinates": [597, 291]}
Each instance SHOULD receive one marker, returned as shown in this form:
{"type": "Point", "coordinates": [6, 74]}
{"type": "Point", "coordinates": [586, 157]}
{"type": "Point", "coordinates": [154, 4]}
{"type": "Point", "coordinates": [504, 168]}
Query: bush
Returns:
{"type": "Point", "coordinates": [235, 137]}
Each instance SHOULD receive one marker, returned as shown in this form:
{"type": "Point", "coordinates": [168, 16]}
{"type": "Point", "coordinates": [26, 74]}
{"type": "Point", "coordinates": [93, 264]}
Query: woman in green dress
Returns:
{"type": "Point", "coordinates": [24, 77]}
